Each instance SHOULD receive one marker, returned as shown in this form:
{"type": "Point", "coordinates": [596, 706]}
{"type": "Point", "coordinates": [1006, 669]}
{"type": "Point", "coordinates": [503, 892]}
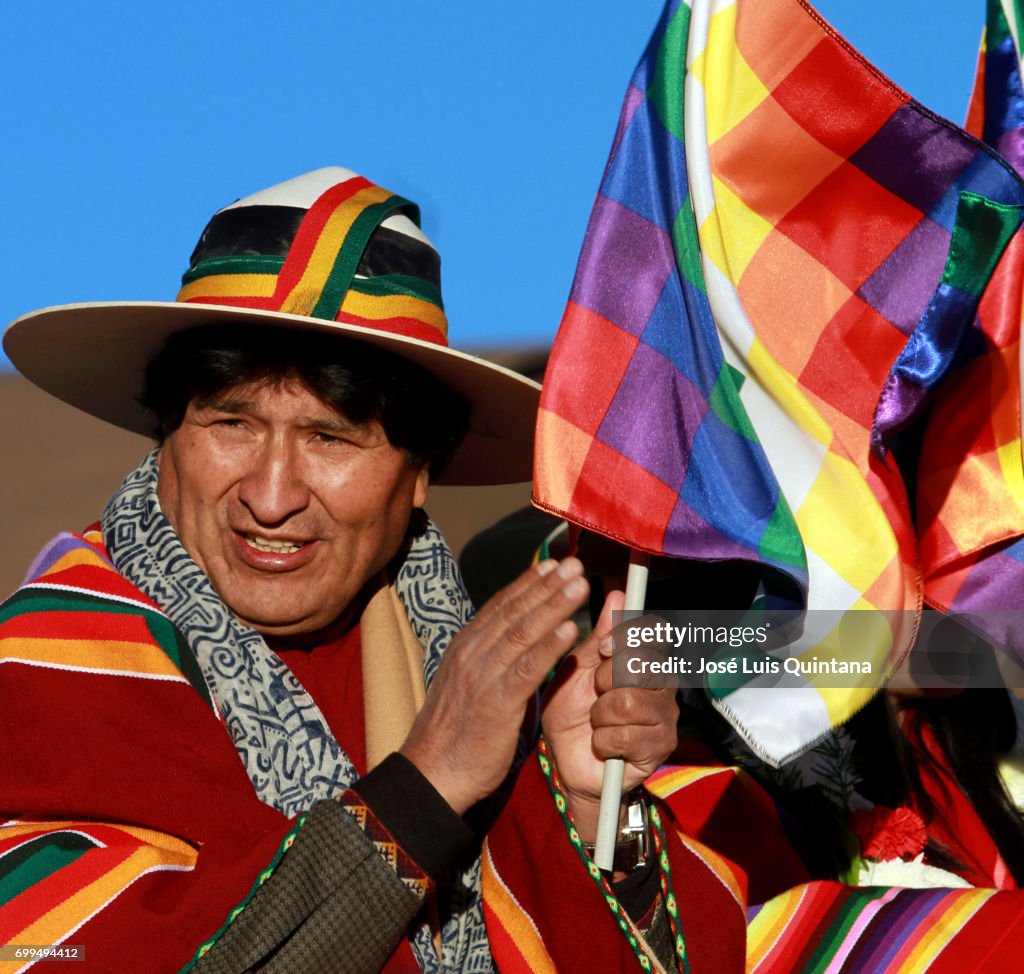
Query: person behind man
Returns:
{"type": "Point", "coordinates": [249, 719]}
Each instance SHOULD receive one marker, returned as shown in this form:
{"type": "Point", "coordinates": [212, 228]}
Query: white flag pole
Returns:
{"type": "Point", "coordinates": [611, 783]}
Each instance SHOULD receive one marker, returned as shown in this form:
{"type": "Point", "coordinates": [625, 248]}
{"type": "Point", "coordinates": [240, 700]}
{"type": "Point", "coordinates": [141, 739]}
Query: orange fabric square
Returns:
{"type": "Point", "coordinates": [770, 162]}
{"type": "Point", "coordinates": [849, 438]}
{"type": "Point", "coordinates": [894, 588]}
{"type": "Point", "coordinates": [622, 494]}
{"type": "Point", "coordinates": [561, 450]}
{"type": "Point", "coordinates": [838, 98]}
{"type": "Point", "coordinates": [775, 37]}
{"type": "Point", "coordinates": [867, 345]}
{"type": "Point", "coordinates": [874, 222]}
{"type": "Point", "coordinates": [789, 297]}
{"type": "Point", "coordinates": [976, 514]}
{"type": "Point", "coordinates": [598, 353]}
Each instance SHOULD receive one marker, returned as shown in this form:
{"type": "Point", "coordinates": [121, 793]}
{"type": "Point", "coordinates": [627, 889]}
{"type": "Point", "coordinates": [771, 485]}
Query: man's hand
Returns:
{"type": "Point", "coordinates": [464, 738]}
{"type": "Point", "coordinates": [586, 721]}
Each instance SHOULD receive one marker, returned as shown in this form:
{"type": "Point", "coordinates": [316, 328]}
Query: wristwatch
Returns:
{"type": "Point", "coordinates": [633, 849]}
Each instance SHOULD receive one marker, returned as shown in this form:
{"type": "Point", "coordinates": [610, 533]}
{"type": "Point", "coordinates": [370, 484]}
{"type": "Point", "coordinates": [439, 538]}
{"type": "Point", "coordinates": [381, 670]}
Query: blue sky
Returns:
{"type": "Point", "coordinates": [129, 124]}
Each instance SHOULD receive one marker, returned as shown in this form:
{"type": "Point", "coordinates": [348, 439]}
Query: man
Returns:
{"type": "Point", "coordinates": [220, 747]}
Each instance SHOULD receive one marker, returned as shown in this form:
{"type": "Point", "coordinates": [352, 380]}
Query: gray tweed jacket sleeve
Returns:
{"type": "Point", "coordinates": [336, 904]}
{"type": "Point", "coordinates": [332, 905]}
{"type": "Point", "coordinates": [347, 889]}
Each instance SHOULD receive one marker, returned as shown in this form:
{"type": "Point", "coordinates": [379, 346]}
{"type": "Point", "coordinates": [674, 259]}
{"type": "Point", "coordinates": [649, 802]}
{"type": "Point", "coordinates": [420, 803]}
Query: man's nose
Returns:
{"type": "Point", "coordinates": [273, 488]}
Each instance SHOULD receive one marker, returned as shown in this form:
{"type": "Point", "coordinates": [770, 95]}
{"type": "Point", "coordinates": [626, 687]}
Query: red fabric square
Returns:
{"type": "Point", "coordinates": [874, 223]}
{"type": "Point", "coordinates": [594, 352]}
{"type": "Point", "coordinates": [1000, 303]}
{"type": "Point", "coordinates": [867, 345]}
{"type": "Point", "coordinates": [622, 499]}
{"type": "Point", "coordinates": [838, 98]}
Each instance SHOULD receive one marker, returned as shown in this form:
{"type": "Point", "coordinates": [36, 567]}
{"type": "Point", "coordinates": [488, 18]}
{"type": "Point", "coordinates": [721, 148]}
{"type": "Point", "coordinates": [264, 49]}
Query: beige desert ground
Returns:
{"type": "Point", "coordinates": [60, 466]}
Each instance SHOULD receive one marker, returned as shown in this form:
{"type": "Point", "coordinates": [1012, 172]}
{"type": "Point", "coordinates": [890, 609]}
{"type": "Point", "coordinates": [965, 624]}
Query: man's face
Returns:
{"type": "Point", "coordinates": [287, 506]}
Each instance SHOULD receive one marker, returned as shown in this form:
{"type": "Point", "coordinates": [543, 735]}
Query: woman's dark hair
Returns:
{"type": "Point", "coordinates": [419, 413]}
{"type": "Point", "coordinates": [973, 729]}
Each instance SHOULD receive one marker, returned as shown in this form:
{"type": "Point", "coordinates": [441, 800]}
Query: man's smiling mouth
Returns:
{"type": "Point", "coordinates": [272, 546]}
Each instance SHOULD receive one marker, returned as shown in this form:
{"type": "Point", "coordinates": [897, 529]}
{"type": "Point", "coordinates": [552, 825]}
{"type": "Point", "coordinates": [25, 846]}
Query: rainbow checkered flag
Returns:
{"type": "Point", "coordinates": [780, 239]}
{"type": "Point", "coordinates": [996, 110]}
{"type": "Point", "coordinates": [971, 485]}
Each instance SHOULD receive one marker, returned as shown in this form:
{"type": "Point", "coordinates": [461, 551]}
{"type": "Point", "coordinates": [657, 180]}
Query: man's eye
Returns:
{"type": "Point", "coordinates": [326, 438]}
{"type": "Point", "coordinates": [228, 424]}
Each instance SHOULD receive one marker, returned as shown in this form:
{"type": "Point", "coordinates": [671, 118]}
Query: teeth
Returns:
{"type": "Point", "coordinates": [265, 544]}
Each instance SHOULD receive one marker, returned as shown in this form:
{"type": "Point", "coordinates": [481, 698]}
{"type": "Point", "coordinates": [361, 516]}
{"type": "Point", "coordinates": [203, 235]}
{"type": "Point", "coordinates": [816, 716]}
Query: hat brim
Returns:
{"type": "Point", "coordinates": [93, 356]}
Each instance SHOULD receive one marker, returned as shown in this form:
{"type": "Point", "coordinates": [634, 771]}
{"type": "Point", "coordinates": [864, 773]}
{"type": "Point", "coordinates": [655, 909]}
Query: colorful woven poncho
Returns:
{"type": "Point", "coordinates": [130, 827]}
{"type": "Point", "coordinates": [121, 781]}
{"type": "Point", "coordinates": [730, 853]}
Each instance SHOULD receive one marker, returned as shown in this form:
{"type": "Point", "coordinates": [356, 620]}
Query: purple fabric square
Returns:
{"type": "Point", "coordinates": [902, 287]}
{"type": "Point", "coordinates": [624, 265]}
{"type": "Point", "coordinates": [994, 583]}
{"type": "Point", "coordinates": [914, 158]}
{"type": "Point", "coordinates": [990, 599]}
{"type": "Point", "coordinates": [654, 416]}
{"type": "Point", "coordinates": [689, 532]}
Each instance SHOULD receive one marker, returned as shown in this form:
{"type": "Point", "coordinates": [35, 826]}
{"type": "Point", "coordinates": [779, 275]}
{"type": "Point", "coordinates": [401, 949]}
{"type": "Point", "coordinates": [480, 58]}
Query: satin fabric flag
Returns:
{"type": "Point", "coordinates": [996, 110]}
{"type": "Point", "coordinates": [971, 487]}
{"type": "Point", "coordinates": [776, 222]}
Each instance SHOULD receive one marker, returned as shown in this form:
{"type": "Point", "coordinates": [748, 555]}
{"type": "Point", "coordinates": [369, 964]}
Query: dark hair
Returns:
{"type": "Point", "coordinates": [973, 730]}
{"type": "Point", "coordinates": [418, 412]}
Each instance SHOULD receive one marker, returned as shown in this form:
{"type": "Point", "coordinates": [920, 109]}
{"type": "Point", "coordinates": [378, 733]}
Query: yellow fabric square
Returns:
{"type": "Point", "coordinates": [843, 523]}
{"type": "Point", "coordinates": [732, 233]}
{"type": "Point", "coordinates": [779, 383]}
{"type": "Point", "coordinates": [861, 635]}
{"type": "Point", "coordinates": [1009, 455]}
{"type": "Point", "coordinates": [843, 702]}
{"type": "Point", "coordinates": [723, 70]}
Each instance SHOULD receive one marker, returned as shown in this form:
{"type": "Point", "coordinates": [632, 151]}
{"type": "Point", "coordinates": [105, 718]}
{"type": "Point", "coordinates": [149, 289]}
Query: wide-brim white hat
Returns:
{"type": "Point", "coordinates": [283, 258]}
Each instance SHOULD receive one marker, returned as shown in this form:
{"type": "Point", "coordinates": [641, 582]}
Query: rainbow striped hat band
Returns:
{"type": "Point", "coordinates": [327, 251]}
{"type": "Point", "coordinates": [329, 245]}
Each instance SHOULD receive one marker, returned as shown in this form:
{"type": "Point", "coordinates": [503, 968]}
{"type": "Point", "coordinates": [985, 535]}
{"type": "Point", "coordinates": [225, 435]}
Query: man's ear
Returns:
{"type": "Point", "coordinates": [419, 497]}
